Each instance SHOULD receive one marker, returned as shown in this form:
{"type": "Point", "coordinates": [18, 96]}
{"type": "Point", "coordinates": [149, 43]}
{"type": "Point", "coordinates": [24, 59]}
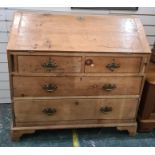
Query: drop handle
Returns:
{"type": "Point", "coordinates": [49, 65]}
{"type": "Point", "coordinates": [49, 111]}
{"type": "Point", "coordinates": [50, 87]}
{"type": "Point", "coordinates": [106, 109]}
{"type": "Point", "coordinates": [109, 87]}
{"type": "Point", "coordinates": [112, 66]}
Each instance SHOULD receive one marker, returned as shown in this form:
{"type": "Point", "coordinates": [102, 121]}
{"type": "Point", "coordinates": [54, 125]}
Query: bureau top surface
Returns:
{"type": "Point", "coordinates": [76, 32]}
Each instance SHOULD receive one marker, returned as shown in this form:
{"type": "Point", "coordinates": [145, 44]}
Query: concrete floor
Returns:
{"type": "Point", "coordinates": [98, 137]}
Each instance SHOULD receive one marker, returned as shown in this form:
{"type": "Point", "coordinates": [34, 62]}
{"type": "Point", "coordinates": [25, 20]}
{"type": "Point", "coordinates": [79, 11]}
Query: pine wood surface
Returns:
{"type": "Point", "coordinates": [89, 33]}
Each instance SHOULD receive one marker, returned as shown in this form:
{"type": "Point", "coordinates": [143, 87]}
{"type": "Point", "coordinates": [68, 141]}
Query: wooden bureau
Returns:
{"type": "Point", "coordinates": [75, 71]}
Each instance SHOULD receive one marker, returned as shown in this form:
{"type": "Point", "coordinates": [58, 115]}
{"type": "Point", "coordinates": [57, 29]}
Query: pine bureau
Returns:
{"type": "Point", "coordinates": [75, 71]}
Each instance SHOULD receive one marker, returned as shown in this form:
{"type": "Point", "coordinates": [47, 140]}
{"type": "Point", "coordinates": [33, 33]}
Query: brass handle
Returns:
{"type": "Point", "coordinates": [49, 65]}
{"type": "Point", "coordinates": [105, 109]}
{"type": "Point", "coordinates": [50, 87]}
{"type": "Point", "coordinates": [109, 87]}
{"type": "Point", "coordinates": [112, 66]}
{"type": "Point", "coordinates": [49, 111]}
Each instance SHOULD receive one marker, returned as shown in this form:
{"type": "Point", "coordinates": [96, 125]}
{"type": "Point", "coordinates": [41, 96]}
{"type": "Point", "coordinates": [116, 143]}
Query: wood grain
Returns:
{"type": "Point", "coordinates": [18, 131]}
{"type": "Point", "coordinates": [75, 33]}
{"type": "Point", "coordinates": [126, 64]}
{"type": "Point", "coordinates": [35, 64]}
{"type": "Point", "coordinates": [75, 86]}
{"type": "Point", "coordinates": [74, 109]}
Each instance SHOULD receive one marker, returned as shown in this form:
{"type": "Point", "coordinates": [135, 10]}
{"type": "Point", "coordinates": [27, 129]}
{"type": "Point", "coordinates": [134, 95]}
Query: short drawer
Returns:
{"type": "Point", "coordinates": [46, 64]}
{"type": "Point", "coordinates": [76, 86]}
{"type": "Point", "coordinates": [111, 64]}
{"type": "Point", "coordinates": [74, 109]}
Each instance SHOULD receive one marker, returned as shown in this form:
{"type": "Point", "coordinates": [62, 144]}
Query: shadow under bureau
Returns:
{"type": "Point", "coordinates": [75, 71]}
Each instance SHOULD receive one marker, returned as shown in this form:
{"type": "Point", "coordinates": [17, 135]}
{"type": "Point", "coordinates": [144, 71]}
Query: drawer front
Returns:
{"type": "Point", "coordinates": [74, 109]}
{"type": "Point", "coordinates": [43, 64]}
{"type": "Point", "coordinates": [75, 86]}
{"type": "Point", "coordinates": [111, 64]}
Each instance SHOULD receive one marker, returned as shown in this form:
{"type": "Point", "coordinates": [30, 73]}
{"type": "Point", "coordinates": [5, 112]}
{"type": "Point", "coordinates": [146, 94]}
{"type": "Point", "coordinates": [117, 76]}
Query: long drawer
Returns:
{"type": "Point", "coordinates": [74, 109]}
{"type": "Point", "coordinates": [76, 86]}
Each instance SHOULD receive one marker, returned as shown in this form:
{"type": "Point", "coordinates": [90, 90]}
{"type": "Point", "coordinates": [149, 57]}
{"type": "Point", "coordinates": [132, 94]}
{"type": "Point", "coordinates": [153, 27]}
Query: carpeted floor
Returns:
{"type": "Point", "coordinates": [63, 138]}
